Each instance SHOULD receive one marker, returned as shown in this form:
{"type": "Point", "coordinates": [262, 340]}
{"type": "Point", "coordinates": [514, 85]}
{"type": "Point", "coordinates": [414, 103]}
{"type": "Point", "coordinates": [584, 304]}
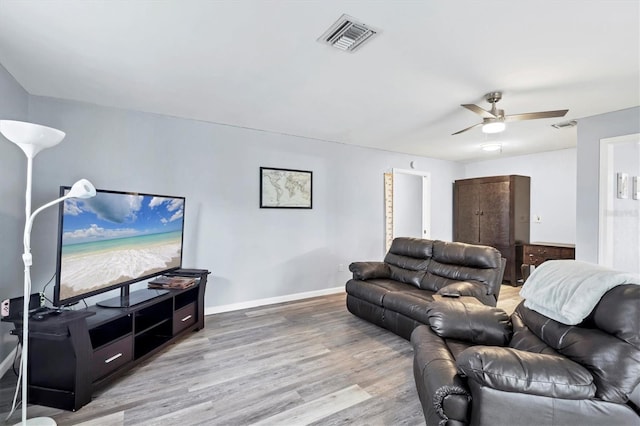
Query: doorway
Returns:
{"type": "Point", "coordinates": [411, 203]}
{"type": "Point", "coordinates": [619, 211]}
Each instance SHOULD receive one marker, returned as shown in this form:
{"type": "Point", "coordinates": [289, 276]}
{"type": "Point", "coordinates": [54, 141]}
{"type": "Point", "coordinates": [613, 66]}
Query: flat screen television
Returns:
{"type": "Point", "coordinates": [113, 240]}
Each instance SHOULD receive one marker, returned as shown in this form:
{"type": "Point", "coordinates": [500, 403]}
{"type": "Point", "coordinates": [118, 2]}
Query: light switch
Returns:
{"type": "Point", "coordinates": [623, 185]}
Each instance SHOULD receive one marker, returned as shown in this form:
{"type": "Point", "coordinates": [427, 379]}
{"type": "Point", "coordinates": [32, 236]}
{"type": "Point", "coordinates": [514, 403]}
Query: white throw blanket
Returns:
{"type": "Point", "coordinates": [568, 290]}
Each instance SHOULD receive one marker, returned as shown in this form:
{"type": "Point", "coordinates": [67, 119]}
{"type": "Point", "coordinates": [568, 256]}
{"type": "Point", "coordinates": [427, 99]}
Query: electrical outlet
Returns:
{"type": "Point", "coordinates": [537, 219]}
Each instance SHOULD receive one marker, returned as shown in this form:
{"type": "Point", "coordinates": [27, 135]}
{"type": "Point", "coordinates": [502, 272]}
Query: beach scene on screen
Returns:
{"type": "Point", "coordinates": [115, 237]}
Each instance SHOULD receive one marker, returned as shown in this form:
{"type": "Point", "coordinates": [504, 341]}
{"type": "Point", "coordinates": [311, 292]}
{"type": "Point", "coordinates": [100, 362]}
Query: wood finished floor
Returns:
{"type": "Point", "coordinates": [307, 362]}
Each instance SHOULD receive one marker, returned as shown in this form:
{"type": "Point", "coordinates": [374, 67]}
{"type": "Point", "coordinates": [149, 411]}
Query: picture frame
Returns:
{"type": "Point", "coordinates": [286, 188]}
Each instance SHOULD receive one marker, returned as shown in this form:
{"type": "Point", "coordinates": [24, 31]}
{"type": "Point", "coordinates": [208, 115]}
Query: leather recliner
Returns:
{"type": "Point", "coordinates": [395, 293]}
{"type": "Point", "coordinates": [476, 365]}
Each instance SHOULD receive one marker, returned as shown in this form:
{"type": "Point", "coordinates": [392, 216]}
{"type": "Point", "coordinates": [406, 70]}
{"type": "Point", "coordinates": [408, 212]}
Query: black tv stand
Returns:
{"type": "Point", "coordinates": [74, 353]}
{"type": "Point", "coordinates": [126, 299]}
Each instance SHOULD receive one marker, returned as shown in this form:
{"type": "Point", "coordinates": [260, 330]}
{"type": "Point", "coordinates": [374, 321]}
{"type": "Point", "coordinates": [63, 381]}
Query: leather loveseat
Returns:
{"type": "Point", "coordinates": [394, 294]}
{"type": "Point", "coordinates": [476, 365]}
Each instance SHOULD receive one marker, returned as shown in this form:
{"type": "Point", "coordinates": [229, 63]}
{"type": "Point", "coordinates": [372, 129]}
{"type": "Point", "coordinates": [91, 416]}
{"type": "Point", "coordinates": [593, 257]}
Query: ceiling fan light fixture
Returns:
{"type": "Point", "coordinates": [493, 127]}
{"type": "Point", "coordinates": [489, 147]}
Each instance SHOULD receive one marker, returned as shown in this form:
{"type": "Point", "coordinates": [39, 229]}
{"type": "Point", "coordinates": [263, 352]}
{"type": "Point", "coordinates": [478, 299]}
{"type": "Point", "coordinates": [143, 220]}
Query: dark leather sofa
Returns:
{"type": "Point", "coordinates": [394, 294]}
{"type": "Point", "coordinates": [476, 365]}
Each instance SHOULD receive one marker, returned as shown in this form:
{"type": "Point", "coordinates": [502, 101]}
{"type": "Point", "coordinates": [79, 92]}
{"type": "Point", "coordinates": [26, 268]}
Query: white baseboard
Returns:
{"type": "Point", "coordinates": [271, 300]}
{"type": "Point", "coordinates": [6, 363]}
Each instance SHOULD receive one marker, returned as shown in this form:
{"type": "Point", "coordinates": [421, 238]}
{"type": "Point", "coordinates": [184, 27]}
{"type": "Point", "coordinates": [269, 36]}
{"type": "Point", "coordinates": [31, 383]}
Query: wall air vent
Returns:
{"type": "Point", "coordinates": [347, 34]}
{"type": "Point", "coordinates": [565, 124]}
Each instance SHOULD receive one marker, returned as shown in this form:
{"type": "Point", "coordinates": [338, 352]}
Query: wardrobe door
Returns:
{"type": "Point", "coordinates": [495, 216]}
{"type": "Point", "coordinates": [466, 213]}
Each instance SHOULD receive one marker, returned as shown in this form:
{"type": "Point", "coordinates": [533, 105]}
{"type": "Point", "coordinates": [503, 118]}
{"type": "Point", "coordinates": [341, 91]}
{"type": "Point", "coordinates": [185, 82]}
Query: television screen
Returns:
{"type": "Point", "coordinates": [115, 239]}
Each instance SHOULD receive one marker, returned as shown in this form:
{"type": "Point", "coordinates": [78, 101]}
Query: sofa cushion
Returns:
{"type": "Point", "coordinates": [614, 363]}
{"type": "Point", "coordinates": [405, 275]}
{"type": "Point", "coordinates": [452, 262]}
{"type": "Point", "coordinates": [439, 275]}
{"type": "Point", "coordinates": [375, 290]}
{"type": "Point", "coordinates": [412, 247]}
{"type": "Point", "coordinates": [474, 256]}
{"type": "Point", "coordinates": [511, 370]}
{"type": "Point", "coordinates": [411, 304]}
{"type": "Point", "coordinates": [524, 340]}
{"type": "Point", "coordinates": [618, 313]}
{"type": "Point", "coordinates": [472, 322]}
{"type": "Point", "coordinates": [408, 259]}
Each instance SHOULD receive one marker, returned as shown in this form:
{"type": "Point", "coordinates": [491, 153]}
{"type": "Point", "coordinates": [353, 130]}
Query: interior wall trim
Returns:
{"type": "Point", "coordinates": [272, 300]}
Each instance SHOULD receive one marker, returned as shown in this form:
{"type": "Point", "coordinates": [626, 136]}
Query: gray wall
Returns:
{"type": "Point", "coordinates": [253, 253]}
{"type": "Point", "coordinates": [590, 131]}
{"type": "Point", "coordinates": [13, 106]}
{"type": "Point", "coordinates": [553, 190]}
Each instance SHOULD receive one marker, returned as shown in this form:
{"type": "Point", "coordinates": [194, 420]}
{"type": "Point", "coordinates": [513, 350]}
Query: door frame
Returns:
{"type": "Point", "coordinates": [426, 199]}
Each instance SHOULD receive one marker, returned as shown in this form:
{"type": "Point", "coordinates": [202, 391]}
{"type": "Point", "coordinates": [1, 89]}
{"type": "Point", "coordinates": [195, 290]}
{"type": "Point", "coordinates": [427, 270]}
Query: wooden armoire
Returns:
{"type": "Point", "coordinates": [494, 211]}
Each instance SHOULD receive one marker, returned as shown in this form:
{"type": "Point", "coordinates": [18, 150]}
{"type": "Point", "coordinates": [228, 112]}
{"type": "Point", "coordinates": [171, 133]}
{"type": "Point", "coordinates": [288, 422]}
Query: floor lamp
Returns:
{"type": "Point", "coordinates": [32, 138]}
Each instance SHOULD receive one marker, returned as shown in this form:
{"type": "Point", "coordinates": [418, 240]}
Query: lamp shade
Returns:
{"type": "Point", "coordinates": [82, 189]}
{"type": "Point", "coordinates": [493, 127]}
{"type": "Point", "coordinates": [30, 137]}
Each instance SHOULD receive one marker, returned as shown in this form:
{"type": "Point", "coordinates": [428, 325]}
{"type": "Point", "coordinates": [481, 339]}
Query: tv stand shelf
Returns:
{"type": "Point", "coordinates": [74, 353]}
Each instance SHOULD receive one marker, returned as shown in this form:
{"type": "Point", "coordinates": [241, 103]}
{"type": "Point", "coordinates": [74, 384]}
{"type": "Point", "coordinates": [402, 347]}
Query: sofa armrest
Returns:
{"type": "Point", "coordinates": [512, 370]}
{"type": "Point", "coordinates": [443, 393]}
{"type": "Point", "coordinates": [475, 323]}
{"type": "Point", "coordinates": [369, 270]}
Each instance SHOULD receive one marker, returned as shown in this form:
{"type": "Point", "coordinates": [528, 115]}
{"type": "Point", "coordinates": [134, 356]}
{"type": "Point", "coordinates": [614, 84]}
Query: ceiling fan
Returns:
{"type": "Point", "coordinates": [493, 121]}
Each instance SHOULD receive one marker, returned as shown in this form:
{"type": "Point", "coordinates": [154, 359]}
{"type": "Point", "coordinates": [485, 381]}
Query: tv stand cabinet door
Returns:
{"type": "Point", "coordinates": [60, 366]}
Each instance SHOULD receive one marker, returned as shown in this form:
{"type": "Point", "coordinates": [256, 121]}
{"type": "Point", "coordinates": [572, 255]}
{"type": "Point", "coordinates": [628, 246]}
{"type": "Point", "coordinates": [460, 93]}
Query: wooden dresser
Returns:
{"type": "Point", "coordinates": [533, 254]}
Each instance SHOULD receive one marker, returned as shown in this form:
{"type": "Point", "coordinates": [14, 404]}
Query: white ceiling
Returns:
{"type": "Point", "coordinates": [257, 64]}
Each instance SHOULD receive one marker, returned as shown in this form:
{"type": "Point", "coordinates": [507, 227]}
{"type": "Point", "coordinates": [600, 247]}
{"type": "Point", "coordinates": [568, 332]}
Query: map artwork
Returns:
{"type": "Point", "coordinates": [285, 188]}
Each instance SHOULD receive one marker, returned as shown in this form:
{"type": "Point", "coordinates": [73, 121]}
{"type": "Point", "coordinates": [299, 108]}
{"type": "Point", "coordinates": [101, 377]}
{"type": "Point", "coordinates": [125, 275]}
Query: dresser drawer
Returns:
{"type": "Point", "coordinates": [536, 254]}
{"type": "Point", "coordinates": [112, 356]}
{"type": "Point", "coordinates": [184, 317]}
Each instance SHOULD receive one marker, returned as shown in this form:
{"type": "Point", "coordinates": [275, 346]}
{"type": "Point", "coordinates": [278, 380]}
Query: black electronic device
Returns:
{"type": "Point", "coordinates": [12, 308]}
{"type": "Point", "coordinates": [454, 295]}
{"type": "Point", "coordinates": [44, 314]}
{"type": "Point", "coordinates": [113, 240]}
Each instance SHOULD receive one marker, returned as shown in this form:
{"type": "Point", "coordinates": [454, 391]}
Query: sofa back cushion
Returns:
{"type": "Point", "coordinates": [408, 259]}
{"type": "Point", "coordinates": [618, 313]}
{"type": "Point", "coordinates": [452, 262]}
{"type": "Point", "coordinates": [606, 343]}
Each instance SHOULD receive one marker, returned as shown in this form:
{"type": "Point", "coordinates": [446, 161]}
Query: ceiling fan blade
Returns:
{"type": "Point", "coordinates": [481, 112]}
{"type": "Point", "coordinates": [468, 128]}
{"type": "Point", "coordinates": [536, 115]}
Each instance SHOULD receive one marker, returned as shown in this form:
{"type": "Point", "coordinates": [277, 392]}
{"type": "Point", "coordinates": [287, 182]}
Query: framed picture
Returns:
{"type": "Point", "coordinates": [285, 188]}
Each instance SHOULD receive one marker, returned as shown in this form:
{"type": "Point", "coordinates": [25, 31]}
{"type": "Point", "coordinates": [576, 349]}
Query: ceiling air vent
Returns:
{"type": "Point", "coordinates": [347, 34]}
{"type": "Point", "coordinates": [565, 124]}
